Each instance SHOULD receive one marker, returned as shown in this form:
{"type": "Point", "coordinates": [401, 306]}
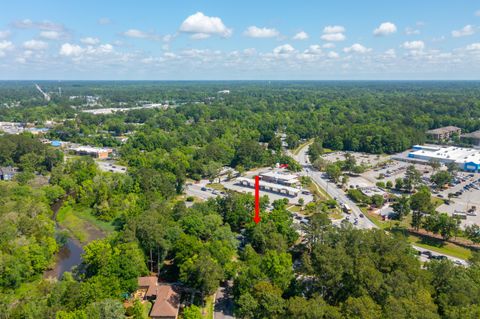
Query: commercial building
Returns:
{"type": "Point", "coordinates": [165, 297]}
{"type": "Point", "coordinates": [97, 152]}
{"type": "Point", "coordinates": [272, 187]}
{"type": "Point", "coordinates": [467, 159]}
{"type": "Point", "coordinates": [472, 138]}
{"type": "Point", "coordinates": [279, 177]}
{"type": "Point", "coordinates": [444, 133]}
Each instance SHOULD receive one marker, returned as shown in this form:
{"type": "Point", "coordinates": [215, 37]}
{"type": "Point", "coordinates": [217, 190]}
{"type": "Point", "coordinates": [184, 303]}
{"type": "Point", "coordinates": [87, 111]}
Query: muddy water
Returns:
{"type": "Point", "coordinates": [70, 255]}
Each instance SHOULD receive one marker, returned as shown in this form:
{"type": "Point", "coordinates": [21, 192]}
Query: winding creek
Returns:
{"type": "Point", "coordinates": [70, 254]}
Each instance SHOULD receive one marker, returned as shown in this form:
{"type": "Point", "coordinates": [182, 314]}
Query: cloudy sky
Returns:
{"type": "Point", "coordinates": [218, 39]}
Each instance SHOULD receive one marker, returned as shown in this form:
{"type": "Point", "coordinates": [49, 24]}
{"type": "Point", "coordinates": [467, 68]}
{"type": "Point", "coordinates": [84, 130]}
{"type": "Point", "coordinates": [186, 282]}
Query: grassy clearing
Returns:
{"type": "Point", "coordinates": [294, 209]}
{"type": "Point", "coordinates": [440, 246]}
{"type": "Point", "coordinates": [433, 244]}
{"type": "Point", "coordinates": [77, 226]}
{"type": "Point", "coordinates": [82, 224]}
{"type": "Point", "coordinates": [207, 311]}
{"type": "Point", "coordinates": [336, 214]}
{"type": "Point", "coordinates": [217, 186]}
{"type": "Point", "coordinates": [85, 213]}
{"type": "Point", "coordinates": [317, 191]}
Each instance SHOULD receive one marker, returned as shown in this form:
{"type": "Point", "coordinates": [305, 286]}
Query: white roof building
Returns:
{"type": "Point", "coordinates": [279, 177]}
{"type": "Point", "coordinates": [466, 158]}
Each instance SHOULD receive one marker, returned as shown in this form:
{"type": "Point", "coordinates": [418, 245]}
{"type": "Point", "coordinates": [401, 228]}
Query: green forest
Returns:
{"type": "Point", "coordinates": [148, 226]}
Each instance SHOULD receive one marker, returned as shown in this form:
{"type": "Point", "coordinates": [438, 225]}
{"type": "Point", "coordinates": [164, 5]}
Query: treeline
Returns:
{"type": "Point", "coordinates": [347, 273]}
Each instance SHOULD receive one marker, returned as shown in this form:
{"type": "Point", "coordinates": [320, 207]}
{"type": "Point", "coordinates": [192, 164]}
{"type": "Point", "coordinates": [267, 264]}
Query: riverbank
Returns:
{"type": "Point", "coordinates": [80, 232]}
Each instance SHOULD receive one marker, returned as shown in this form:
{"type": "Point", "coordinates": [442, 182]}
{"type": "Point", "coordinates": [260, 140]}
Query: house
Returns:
{"type": "Point", "coordinates": [166, 299]}
{"type": "Point", "coordinates": [7, 173]}
{"type": "Point", "coordinates": [444, 133]}
{"type": "Point", "coordinates": [166, 303]}
{"type": "Point", "coordinates": [472, 138]}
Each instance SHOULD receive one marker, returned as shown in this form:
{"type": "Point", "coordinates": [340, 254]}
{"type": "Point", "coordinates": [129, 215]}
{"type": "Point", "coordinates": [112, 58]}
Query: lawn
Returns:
{"type": "Point", "coordinates": [297, 150]}
{"type": "Point", "coordinates": [440, 246]}
{"type": "Point", "coordinates": [433, 244]}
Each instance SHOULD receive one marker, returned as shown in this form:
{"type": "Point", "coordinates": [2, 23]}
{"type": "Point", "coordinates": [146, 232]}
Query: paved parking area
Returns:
{"type": "Point", "coordinates": [466, 200]}
{"type": "Point", "coordinates": [111, 166]}
{"type": "Point", "coordinates": [361, 158]}
{"type": "Point", "coordinates": [200, 190]}
{"type": "Point", "coordinates": [232, 185]}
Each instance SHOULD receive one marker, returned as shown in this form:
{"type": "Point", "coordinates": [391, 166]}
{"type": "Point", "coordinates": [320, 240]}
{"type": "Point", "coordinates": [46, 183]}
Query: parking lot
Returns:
{"type": "Point", "coordinates": [232, 185]}
{"type": "Point", "coordinates": [467, 188]}
{"type": "Point", "coordinates": [111, 166]}
{"type": "Point", "coordinates": [369, 160]}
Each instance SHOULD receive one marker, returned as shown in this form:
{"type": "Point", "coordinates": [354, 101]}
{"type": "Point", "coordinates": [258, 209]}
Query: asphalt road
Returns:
{"type": "Point", "coordinates": [224, 303]}
{"type": "Point", "coordinates": [335, 192]}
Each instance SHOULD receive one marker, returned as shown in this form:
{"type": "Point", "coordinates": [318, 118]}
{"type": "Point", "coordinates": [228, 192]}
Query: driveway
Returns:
{"type": "Point", "coordinates": [224, 303]}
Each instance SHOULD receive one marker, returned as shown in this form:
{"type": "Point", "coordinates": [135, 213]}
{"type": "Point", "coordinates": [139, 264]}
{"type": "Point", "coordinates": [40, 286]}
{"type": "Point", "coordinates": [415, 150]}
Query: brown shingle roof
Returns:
{"type": "Point", "coordinates": [446, 129]}
{"type": "Point", "coordinates": [150, 283]}
{"type": "Point", "coordinates": [166, 303]}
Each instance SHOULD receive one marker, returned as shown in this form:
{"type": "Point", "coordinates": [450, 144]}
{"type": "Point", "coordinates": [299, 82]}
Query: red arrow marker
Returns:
{"type": "Point", "coordinates": [256, 219]}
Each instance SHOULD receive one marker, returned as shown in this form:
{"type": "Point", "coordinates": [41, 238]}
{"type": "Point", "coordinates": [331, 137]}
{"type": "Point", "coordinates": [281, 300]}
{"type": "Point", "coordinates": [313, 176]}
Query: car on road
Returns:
{"type": "Point", "coordinates": [361, 215]}
{"type": "Point", "coordinates": [204, 189]}
{"type": "Point", "coordinates": [427, 253]}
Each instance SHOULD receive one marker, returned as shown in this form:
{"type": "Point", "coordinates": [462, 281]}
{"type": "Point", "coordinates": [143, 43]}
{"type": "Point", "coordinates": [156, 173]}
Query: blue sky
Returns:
{"type": "Point", "coordinates": [184, 40]}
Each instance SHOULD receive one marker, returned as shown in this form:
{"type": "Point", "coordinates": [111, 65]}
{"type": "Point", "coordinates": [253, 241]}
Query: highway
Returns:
{"type": "Point", "coordinates": [341, 197]}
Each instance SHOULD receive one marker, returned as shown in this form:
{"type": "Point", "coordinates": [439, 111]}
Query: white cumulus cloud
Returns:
{"type": "Point", "coordinates": [466, 30]}
{"type": "Point", "coordinates": [333, 29]}
{"type": "Point", "coordinates": [333, 55]}
{"type": "Point", "coordinates": [90, 41]}
{"type": "Point", "coordinates": [473, 47]}
{"type": "Point", "coordinates": [50, 35]}
{"type": "Point", "coordinates": [413, 45]}
{"type": "Point", "coordinates": [256, 32]}
{"type": "Point", "coordinates": [314, 49]}
{"type": "Point", "coordinates": [200, 23]}
{"type": "Point", "coordinates": [385, 28]}
{"type": "Point", "coordinates": [411, 31]}
{"type": "Point", "coordinates": [35, 45]}
{"type": "Point", "coordinates": [328, 45]}
{"type": "Point", "coordinates": [4, 34]}
{"type": "Point", "coordinates": [335, 37]}
{"type": "Point", "coordinates": [302, 35]}
{"type": "Point", "coordinates": [135, 33]}
{"type": "Point", "coordinates": [68, 49]}
{"type": "Point", "coordinates": [5, 46]}
{"type": "Point", "coordinates": [333, 33]}
{"type": "Point", "coordinates": [357, 48]}
{"type": "Point", "coordinates": [283, 49]}
{"type": "Point", "coordinates": [200, 36]}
